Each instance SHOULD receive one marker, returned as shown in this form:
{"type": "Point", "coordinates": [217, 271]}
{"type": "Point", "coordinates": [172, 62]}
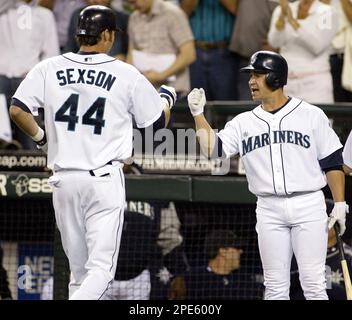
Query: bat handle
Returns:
{"type": "Point", "coordinates": [339, 241]}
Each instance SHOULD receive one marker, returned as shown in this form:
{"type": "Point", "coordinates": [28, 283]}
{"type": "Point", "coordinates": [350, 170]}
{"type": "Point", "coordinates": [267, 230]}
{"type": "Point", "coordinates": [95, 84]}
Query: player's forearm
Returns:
{"type": "Point", "coordinates": [205, 135]}
{"type": "Point", "coordinates": [186, 56]}
{"type": "Point", "coordinates": [336, 182]}
{"type": "Point", "coordinates": [167, 113]}
{"type": "Point", "coordinates": [24, 120]}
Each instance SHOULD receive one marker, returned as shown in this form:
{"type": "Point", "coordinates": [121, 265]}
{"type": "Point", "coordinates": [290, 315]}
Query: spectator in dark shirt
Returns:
{"type": "Point", "coordinates": [222, 278]}
{"type": "Point", "coordinates": [214, 70]}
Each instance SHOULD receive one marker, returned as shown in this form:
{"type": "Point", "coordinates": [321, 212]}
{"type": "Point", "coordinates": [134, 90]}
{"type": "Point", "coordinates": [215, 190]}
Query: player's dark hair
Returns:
{"type": "Point", "coordinates": [84, 40]}
{"type": "Point", "coordinates": [221, 238]}
{"type": "Point", "coordinates": [88, 40]}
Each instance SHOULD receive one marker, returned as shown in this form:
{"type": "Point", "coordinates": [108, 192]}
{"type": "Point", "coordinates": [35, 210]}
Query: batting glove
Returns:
{"type": "Point", "coordinates": [168, 94]}
{"type": "Point", "coordinates": [338, 214]}
{"type": "Point", "coordinates": [196, 101]}
{"type": "Point", "coordinates": [40, 139]}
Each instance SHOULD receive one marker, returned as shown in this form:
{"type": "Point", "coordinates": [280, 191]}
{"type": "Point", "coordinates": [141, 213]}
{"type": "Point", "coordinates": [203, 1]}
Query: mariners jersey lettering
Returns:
{"type": "Point", "coordinates": [281, 151]}
{"type": "Point", "coordinates": [92, 99]}
{"type": "Point", "coordinates": [284, 136]}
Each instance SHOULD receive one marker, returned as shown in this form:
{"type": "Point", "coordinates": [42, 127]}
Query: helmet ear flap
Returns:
{"type": "Point", "coordinates": [272, 81]}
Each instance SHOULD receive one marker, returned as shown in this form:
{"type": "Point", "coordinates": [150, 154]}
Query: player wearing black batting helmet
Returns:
{"type": "Point", "coordinates": [87, 149]}
{"type": "Point", "coordinates": [291, 211]}
{"type": "Point", "coordinates": [95, 19]}
{"type": "Point", "coordinates": [272, 64]}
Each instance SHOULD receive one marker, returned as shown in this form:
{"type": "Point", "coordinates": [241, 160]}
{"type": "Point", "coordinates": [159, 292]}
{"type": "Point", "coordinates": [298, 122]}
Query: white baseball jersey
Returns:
{"type": "Point", "coordinates": [89, 101]}
{"type": "Point", "coordinates": [281, 151]}
{"type": "Point", "coordinates": [347, 151]}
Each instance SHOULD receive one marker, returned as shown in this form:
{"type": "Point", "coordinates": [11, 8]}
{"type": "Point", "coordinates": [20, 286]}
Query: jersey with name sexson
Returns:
{"type": "Point", "coordinates": [89, 101]}
{"type": "Point", "coordinates": [281, 151]}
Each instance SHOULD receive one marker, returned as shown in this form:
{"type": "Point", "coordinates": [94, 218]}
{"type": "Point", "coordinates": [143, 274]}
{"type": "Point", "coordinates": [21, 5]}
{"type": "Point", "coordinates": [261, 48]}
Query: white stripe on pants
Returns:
{"type": "Point", "coordinates": [137, 288]}
{"type": "Point", "coordinates": [287, 225]}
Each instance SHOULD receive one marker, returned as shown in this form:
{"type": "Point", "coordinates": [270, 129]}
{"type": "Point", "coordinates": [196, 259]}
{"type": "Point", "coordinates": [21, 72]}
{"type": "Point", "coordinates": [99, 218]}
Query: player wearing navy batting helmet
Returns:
{"type": "Point", "coordinates": [90, 100]}
{"type": "Point", "coordinates": [290, 152]}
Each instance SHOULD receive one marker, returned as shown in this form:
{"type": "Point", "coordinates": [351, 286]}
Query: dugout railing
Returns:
{"type": "Point", "coordinates": [31, 243]}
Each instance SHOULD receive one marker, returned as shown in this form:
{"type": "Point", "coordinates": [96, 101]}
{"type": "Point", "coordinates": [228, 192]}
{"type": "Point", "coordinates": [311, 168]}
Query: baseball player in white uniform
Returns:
{"type": "Point", "coordinates": [286, 146]}
{"type": "Point", "coordinates": [89, 99]}
{"type": "Point", "coordinates": [347, 154]}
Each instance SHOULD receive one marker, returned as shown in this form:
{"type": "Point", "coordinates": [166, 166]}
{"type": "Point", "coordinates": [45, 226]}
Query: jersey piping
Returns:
{"type": "Point", "coordinates": [271, 158]}
{"type": "Point", "coordinates": [282, 158]}
{"type": "Point", "coordinates": [89, 64]}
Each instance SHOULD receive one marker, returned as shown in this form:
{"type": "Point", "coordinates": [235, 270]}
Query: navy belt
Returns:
{"type": "Point", "coordinates": [91, 172]}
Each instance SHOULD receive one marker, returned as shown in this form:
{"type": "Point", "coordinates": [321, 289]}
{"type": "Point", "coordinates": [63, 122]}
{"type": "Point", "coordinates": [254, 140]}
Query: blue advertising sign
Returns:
{"type": "Point", "coordinates": [35, 267]}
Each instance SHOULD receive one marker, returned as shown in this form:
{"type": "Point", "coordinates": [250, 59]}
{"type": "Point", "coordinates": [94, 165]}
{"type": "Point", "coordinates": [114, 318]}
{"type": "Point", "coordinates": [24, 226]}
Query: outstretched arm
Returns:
{"type": "Point", "coordinates": [26, 122]}
{"type": "Point", "coordinates": [336, 182]}
{"type": "Point", "coordinates": [205, 133]}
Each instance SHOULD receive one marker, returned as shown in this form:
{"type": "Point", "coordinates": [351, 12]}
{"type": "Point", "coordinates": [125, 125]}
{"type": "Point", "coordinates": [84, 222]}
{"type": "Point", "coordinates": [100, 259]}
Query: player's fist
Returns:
{"type": "Point", "coordinates": [338, 214]}
{"type": "Point", "coordinates": [169, 94]}
{"type": "Point", "coordinates": [40, 139]}
{"type": "Point", "coordinates": [196, 101]}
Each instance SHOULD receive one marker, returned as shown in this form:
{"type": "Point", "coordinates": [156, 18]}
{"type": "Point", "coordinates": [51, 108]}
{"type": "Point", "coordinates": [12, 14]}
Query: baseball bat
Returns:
{"type": "Point", "coordinates": [346, 274]}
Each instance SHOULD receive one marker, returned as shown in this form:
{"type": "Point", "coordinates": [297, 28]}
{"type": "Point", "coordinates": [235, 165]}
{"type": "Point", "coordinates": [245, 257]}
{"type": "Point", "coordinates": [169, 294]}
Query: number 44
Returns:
{"type": "Point", "coordinates": [93, 116]}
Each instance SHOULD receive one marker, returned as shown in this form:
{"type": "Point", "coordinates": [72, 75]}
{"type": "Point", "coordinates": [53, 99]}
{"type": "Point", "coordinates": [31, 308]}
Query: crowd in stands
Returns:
{"type": "Point", "coordinates": [188, 44]}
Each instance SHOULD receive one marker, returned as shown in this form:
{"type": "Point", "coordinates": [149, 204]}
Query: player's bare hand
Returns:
{"type": "Point", "coordinates": [196, 101]}
{"type": "Point", "coordinates": [338, 214]}
{"type": "Point", "coordinates": [169, 94]}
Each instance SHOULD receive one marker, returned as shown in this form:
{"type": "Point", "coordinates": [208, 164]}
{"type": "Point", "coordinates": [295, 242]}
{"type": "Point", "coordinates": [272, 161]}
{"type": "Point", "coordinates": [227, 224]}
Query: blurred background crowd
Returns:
{"type": "Point", "coordinates": [188, 44]}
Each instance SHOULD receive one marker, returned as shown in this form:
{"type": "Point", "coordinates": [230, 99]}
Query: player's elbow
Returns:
{"type": "Point", "coordinates": [15, 112]}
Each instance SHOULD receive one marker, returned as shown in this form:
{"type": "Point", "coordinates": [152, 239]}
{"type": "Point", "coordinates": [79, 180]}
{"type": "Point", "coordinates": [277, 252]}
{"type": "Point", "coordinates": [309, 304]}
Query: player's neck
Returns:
{"type": "Point", "coordinates": [96, 48]}
{"type": "Point", "coordinates": [274, 102]}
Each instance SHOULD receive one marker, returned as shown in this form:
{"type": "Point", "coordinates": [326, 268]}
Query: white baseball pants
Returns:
{"type": "Point", "coordinates": [137, 288]}
{"type": "Point", "coordinates": [89, 212]}
{"type": "Point", "coordinates": [294, 224]}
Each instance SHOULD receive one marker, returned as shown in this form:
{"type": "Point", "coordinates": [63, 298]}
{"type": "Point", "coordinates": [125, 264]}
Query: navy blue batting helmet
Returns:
{"type": "Point", "coordinates": [272, 64]}
{"type": "Point", "coordinates": [93, 20]}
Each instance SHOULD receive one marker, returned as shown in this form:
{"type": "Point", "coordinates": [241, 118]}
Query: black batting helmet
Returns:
{"type": "Point", "coordinates": [93, 20]}
{"type": "Point", "coordinates": [272, 64]}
